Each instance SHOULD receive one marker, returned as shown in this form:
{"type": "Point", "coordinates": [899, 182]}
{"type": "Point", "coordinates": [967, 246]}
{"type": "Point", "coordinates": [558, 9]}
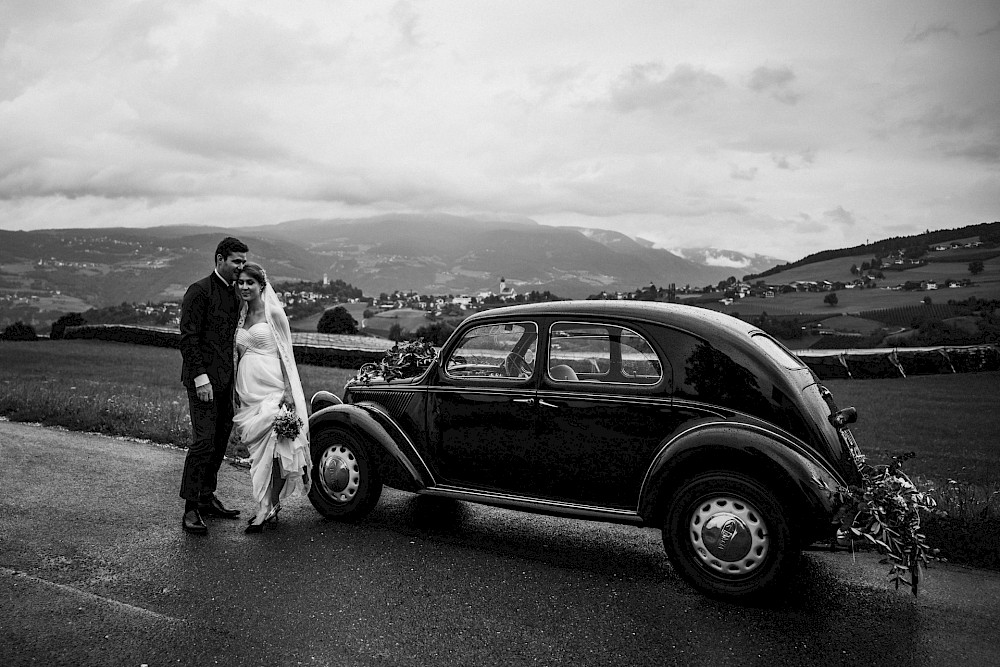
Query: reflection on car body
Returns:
{"type": "Point", "coordinates": [644, 413]}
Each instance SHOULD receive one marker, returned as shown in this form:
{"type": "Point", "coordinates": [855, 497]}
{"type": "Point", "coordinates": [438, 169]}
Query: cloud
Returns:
{"type": "Point", "coordinates": [656, 118]}
{"type": "Point", "coordinates": [747, 174]}
{"type": "Point", "coordinates": [985, 153]}
{"type": "Point", "coordinates": [648, 86]}
{"type": "Point", "coordinates": [407, 21]}
{"type": "Point", "coordinates": [794, 162]}
{"type": "Point", "coordinates": [931, 31]}
{"type": "Point", "coordinates": [803, 223]}
{"type": "Point", "coordinates": [776, 82]}
{"type": "Point", "coordinates": [989, 31]}
{"type": "Point", "coordinates": [839, 216]}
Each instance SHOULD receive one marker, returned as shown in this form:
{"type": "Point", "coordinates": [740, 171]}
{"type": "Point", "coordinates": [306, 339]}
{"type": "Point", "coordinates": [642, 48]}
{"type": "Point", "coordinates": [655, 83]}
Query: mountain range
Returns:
{"type": "Point", "coordinates": [430, 254]}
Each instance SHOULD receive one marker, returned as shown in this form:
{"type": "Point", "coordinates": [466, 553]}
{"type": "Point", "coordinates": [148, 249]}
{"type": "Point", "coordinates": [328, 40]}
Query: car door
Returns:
{"type": "Point", "coordinates": [604, 410]}
{"type": "Point", "coordinates": [481, 410]}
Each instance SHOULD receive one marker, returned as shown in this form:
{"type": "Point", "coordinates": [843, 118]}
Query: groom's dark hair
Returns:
{"type": "Point", "coordinates": [228, 246]}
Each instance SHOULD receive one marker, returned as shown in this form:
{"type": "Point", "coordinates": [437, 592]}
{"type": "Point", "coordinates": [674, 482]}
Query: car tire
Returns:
{"type": "Point", "coordinates": [727, 535]}
{"type": "Point", "coordinates": [346, 484]}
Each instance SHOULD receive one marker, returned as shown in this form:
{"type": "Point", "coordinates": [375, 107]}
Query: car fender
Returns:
{"type": "Point", "coordinates": [804, 481]}
{"type": "Point", "coordinates": [370, 422]}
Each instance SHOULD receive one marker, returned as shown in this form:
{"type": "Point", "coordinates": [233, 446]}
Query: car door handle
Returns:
{"type": "Point", "coordinates": [523, 400]}
{"type": "Point", "coordinates": [546, 404]}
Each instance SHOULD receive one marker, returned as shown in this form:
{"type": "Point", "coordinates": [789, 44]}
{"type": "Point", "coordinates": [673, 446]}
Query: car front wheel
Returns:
{"type": "Point", "coordinates": [727, 536]}
{"type": "Point", "coordinates": [345, 482]}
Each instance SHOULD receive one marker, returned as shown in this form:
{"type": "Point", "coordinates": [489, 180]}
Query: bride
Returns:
{"type": "Point", "coordinates": [266, 379]}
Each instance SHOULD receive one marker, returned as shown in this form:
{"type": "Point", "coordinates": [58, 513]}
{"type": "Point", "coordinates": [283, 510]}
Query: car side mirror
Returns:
{"type": "Point", "coordinates": [842, 418]}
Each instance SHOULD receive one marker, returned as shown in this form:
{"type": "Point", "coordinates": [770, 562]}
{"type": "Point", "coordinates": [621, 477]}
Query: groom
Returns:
{"type": "Point", "coordinates": [209, 314]}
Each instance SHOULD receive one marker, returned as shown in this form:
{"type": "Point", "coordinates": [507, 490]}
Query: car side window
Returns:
{"type": "Point", "coordinates": [505, 350]}
{"type": "Point", "coordinates": [601, 353]}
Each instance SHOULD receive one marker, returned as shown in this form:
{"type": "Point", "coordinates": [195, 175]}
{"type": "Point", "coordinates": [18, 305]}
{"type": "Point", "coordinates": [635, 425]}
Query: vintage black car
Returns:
{"type": "Point", "coordinates": [642, 413]}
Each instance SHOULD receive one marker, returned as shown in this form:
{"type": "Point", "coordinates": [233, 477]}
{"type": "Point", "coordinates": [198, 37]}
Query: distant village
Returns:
{"type": "Point", "coordinates": [303, 299]}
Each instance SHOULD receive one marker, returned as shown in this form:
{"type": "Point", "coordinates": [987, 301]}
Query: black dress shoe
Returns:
{"type": "Point", "coordinates": [192, 523]}
{"type": "Point", "coordinates": [214, 507]}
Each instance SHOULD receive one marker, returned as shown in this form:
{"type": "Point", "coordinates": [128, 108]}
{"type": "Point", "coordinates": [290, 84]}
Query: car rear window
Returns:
{"type": "Point", "coordinates": [601, 353]}
{"type": "Point", "coordinates": [777, 352]}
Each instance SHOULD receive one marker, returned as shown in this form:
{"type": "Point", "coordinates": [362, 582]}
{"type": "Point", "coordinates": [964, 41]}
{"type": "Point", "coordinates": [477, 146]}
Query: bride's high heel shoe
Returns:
{"type": "Point", "coordinates": [270, 518]}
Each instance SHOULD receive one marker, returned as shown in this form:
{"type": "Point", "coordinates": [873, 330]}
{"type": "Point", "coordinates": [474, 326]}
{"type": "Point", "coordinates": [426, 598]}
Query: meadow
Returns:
{"type": "Point", "coordinates": [949, 421]}
{"type": "Point", "coordinates": [853, 301]}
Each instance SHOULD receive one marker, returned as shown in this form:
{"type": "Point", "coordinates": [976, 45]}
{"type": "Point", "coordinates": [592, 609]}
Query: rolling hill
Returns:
{"type": "Point", "coordinates": [439, 254]}
{"type": "Point", "coordinates": [429, 254]}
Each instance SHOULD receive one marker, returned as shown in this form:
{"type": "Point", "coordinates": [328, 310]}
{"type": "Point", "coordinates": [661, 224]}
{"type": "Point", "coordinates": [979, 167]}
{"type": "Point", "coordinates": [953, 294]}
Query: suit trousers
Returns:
{"type": "Point", "coordinates": [211, 424]}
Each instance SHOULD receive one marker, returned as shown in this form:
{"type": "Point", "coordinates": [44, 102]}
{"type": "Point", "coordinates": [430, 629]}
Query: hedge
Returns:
{"type": "Point", "coordinates": [338, 356]}
{"type": "Point", "coordinates": [845, 363]}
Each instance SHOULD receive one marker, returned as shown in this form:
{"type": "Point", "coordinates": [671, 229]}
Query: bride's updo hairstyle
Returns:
{"type": "Point", "coordinates": [255, 271]}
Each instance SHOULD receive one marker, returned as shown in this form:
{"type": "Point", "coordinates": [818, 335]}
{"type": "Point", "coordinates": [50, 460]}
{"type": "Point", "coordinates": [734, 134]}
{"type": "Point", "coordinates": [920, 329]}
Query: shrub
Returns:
{"type": "Point", "coordinates": [397, 333]}
{"type": "Point", "coordinates": [19, 331]}
{"type": "Point", "coordinates": [67, 320]}
{"type": "Point", "coordinates": [337, 321]}
{"type": "Point", "coordinates": [436, 333]}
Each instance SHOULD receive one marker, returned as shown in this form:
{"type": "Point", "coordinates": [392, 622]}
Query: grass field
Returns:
{"type": "Point", "coordinates": [379, 325]}
{"type": "Point", "coordinates": [407, 318]}
{"type": "Point", "coordinates": [854, 301]}
{"type": "Point", "coordinates": [111, 388]}
{"type": "Point", "coordinates": [950, 421]}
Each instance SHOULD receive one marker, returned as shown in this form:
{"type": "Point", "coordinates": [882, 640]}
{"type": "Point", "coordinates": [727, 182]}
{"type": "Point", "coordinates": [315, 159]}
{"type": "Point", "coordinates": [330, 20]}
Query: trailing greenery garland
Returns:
{"type": "Point", "coordinates": [885, 510]}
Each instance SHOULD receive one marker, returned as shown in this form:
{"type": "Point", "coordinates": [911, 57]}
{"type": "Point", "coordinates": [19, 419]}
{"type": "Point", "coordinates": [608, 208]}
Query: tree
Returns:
{"type": "Point", "coordinates": [831, 299]}
{"type": "Point", "coordinates": [67, 320]}
{"type": "Point", "coordinates": [976, 267]}
{"type": "Point", "coordinates": [19, 331]}
{"type": "Point", "coordinates": [436, 333]}
{"type": "Point", "coordinates": [397, 333]}
{"type": "Point", "coordinates": [337, 321]}
{"type": "Point", "coordinates": [927, 301]}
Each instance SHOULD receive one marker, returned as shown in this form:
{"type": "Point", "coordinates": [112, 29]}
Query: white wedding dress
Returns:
{"type": "Point", "coordinates": [260, 385]}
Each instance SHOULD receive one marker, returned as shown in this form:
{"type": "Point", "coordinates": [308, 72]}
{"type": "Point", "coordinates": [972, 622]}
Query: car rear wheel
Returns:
{"type": "Point", "coordinates": [345, 482]}
{"type": "Point", "coordinates": [727, 536]}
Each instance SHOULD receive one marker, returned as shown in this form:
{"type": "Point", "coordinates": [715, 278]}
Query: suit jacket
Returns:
{"type": "Point", "coordinates": [209, 314]}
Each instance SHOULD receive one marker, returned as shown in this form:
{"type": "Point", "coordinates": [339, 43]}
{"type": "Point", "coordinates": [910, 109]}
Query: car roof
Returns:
{"type": "Point", "coordinates": [691, 318]}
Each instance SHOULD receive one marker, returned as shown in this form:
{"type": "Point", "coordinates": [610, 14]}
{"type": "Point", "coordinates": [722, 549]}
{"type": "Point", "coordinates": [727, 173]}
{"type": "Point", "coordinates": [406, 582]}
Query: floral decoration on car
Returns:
{"type": "Point", "coordinates": [405, 359]}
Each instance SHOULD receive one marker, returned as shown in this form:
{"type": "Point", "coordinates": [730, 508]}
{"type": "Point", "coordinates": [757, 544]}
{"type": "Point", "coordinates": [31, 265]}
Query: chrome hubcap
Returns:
{"type": "Point", "coordinates": [339, 474]}
{"type": "Point", "coordinates": [729, 536]}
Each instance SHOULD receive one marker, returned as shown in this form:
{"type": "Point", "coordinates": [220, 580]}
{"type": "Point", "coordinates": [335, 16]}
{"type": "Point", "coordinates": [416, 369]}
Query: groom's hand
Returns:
{"type": "Point", "coordinates": [204, 392]}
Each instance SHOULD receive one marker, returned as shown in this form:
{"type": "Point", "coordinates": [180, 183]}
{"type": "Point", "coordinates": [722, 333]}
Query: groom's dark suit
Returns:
{"type": "Point", "coordinates": [209, 314]}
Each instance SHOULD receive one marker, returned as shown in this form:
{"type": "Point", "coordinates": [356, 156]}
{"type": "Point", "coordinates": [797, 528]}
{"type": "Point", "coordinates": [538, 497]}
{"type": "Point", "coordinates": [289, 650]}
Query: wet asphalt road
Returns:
{"type": "Point", "coordinates": [95, 570]}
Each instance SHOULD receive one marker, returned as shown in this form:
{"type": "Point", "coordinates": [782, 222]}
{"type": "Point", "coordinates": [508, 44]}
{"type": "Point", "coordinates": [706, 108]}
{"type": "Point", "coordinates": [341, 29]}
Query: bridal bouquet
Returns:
{"type": "Point", "coordinates": [286, 423]}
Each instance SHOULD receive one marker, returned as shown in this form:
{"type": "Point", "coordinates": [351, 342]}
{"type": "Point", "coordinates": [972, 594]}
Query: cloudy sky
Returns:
{"type": "Point", "coordinates": [778, 127]}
